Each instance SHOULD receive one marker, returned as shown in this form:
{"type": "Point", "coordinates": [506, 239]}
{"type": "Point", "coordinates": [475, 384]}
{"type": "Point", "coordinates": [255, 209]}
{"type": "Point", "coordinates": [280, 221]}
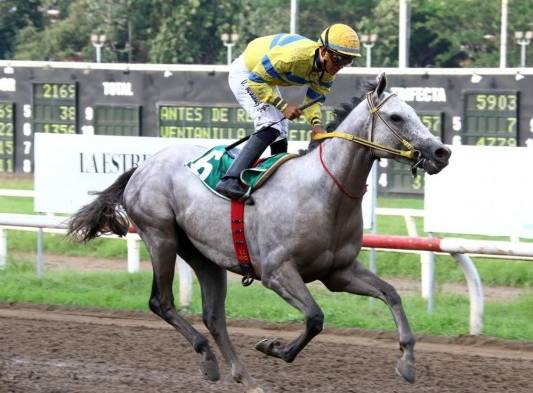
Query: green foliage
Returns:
{"type": "Point", "coordinates": [191, 31]}
{"type": "Point", "coordinates": [443, 33]}
{"type": "Point", "coordinates": [14, 16]}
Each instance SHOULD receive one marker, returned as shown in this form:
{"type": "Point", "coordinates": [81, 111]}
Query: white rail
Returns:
{"type": "Point", "coordinates": [453, 246]}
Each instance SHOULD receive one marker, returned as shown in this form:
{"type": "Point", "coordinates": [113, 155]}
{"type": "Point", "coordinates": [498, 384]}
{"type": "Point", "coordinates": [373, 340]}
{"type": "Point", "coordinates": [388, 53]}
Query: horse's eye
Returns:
{"type": "Point", "coordinates": [396, 118]}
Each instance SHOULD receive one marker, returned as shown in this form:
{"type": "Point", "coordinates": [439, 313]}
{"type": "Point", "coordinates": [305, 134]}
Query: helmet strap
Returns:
{"type": "Point", "coordinates": [326, 38]}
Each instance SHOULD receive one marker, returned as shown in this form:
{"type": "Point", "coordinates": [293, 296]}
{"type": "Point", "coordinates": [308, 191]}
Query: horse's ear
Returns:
{"type": "Point", "coordinates": [381, 83]}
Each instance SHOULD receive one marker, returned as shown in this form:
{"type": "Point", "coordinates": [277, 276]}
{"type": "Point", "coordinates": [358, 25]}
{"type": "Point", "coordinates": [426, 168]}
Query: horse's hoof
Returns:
{"type": "Point", "coordinates": [210, 370]}
{"type": "Point", "coordinates": [406, 369]}
{"type": "Point", "coordinates": [270, 346]}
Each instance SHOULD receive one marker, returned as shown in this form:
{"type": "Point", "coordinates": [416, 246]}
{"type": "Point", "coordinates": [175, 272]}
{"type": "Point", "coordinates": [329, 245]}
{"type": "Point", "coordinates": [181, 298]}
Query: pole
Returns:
{"type": "Point", "coordinates": [368, 55]}
{"type": "Point", "coordinates": [3, 248]}
{"type": "Point", "coordinates": [134, 258]}
{"type": "Point", "coordinates": [503, 35]}
{"type": "Point", "coordinates": [427, 260]}
{"type": "Point", "coordinates": [185, 278]}
{"type": "Point", "coordinates": [405, 24]}
{"type": "Point", "coordinates": [294, 16]}
{"type": "Point", "coordinates": [475, 292]}
{"type": "Point", "coordinates": [40, 256]}
{"type": "Point", "coordinates": [228, 59]}
{"type": "Point", "coordinates": [523, 53]}
{"type": "Point", "coordinates": [98, 46]}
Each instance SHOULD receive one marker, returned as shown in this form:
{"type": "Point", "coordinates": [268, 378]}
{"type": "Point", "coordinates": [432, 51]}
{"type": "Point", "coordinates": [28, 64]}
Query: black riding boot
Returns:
{"type": "Point", "coordinates": [230, 184]}
{"type": "Point", "coordinates": [279, 147]}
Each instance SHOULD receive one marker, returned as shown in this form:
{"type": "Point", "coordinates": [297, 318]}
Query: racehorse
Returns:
{"type": "Point", "coordinates": [305, 225]}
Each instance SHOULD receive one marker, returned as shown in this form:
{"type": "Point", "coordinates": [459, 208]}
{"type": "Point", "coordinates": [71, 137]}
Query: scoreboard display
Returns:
{"type": "Point", "coordinates": [7, 139]}
{"type": "Point", "coordinates": [117, 120]}
{"type": "Point", "coordinates": [54, 108]}
{"type": "Point", "coordinates": [176, 101]}
{"type": "Point", "coordinates": [491, 118]}
{"type": "Point", "coordinates": [218, 122]}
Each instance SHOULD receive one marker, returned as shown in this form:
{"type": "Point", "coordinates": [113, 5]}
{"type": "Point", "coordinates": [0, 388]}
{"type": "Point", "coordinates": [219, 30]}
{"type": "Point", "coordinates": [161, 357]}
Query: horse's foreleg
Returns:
{"type": "Point", "coordinates": [361, 281]}
{"type": "Point", "coordinates": [163, 248]}
{"type": "Point", "coordinates": [213, 283]}
{"type": "Point", "coordinates": [287, 283]}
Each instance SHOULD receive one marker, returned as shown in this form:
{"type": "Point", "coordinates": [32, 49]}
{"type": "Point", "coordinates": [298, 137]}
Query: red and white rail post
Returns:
{"type": "Point", "coordinates": [457, 248]}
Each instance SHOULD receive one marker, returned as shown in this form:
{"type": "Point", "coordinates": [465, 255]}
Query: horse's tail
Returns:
{"type": "Point", "coordinates": [103, 215]}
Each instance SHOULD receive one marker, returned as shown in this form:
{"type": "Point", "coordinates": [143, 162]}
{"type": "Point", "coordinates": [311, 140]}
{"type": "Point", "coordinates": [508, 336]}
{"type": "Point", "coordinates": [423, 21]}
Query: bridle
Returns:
{"type": "Point", "coordinates": [411, 153]}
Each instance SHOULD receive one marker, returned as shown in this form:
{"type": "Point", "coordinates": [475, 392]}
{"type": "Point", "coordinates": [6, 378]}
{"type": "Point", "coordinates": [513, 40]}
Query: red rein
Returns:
{"type": "Point", "coordinates": [335, 180]}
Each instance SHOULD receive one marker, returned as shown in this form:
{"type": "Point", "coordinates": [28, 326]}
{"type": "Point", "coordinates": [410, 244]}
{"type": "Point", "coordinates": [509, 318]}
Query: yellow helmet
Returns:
{"type": "Point", "coordinates": [340, 38]}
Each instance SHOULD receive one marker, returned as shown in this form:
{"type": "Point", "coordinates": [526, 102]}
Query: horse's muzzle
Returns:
{"type": "Point", "coordinates": [436, 156]}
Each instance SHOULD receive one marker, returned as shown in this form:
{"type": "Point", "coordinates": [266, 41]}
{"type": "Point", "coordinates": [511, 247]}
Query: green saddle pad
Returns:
{"type": "Point", "coordinates": [213, 165]}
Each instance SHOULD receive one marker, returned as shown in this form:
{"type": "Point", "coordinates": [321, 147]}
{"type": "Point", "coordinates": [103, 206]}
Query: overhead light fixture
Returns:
{"type": "Point", "coordinates": [519, 76]}
{"type": "Point", "coordinates": [476, 78]}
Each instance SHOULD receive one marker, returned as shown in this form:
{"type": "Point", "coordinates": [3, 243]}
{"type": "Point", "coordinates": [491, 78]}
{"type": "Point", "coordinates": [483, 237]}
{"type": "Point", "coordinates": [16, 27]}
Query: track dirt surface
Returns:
{"type": "Point", "coordinates": [52, 349]}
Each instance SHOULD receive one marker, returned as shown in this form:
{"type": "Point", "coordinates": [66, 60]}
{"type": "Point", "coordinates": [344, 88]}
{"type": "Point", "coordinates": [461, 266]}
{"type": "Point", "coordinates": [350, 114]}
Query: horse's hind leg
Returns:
{"type": "Point", "coordinates": [163, 248]}
{"type": "Point", "coordinates": [361, 281]}
{"type": "Point", "coordinates": [213, 283]}
{"type": "Point", "coordinates": [287, 283]}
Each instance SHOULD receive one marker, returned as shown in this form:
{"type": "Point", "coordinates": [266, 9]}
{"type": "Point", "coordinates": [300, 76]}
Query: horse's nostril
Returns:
{"type": "Point", "coordinates": [442, 153]}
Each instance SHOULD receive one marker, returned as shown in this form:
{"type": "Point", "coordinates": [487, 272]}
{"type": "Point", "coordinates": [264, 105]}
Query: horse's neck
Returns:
{"type": "Point", "coordinates": [350, 163]}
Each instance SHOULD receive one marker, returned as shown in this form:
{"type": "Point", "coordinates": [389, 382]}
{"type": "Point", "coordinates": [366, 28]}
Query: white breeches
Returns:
{"type": "Point", "coordinates": [262, 114]}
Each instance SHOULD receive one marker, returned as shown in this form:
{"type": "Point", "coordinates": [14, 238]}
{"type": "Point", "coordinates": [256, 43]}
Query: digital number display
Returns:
{"type": "Point", "coordinates": [395, 176]}
{"type": "Point", "coordinates": [54, 108]}
{"type": "Point", "coordinates": [491, 119]}
{"type": "Point", "coordinates": [7, 139]}
{"type": "Point", "coordinates": [117, 120]}
{"type": "Point", "coordinates": [219, 122]}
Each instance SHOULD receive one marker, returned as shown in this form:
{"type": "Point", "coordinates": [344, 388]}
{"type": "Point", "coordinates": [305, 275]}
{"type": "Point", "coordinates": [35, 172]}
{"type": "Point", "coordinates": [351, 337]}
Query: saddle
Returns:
{"type": "Point", "coordinates": [211, 166]}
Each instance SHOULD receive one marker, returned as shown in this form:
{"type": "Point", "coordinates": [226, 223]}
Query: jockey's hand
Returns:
{"type": "Point", "coordinates": [317, 129]}
{"type": "Point", "coordinates": [292, 112]}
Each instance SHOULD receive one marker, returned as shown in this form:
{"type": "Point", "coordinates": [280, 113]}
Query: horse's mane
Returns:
{"type": "Point", "coordinates": [340, 113]}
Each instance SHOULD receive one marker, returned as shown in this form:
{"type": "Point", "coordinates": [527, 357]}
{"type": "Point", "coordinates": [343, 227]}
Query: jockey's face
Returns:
{"type": "Point", "coordinates": [333, 62]}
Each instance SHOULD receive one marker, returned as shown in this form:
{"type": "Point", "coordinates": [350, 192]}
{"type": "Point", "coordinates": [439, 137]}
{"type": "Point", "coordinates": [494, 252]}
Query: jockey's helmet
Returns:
{"type": "Point", "coordinates": [342, 39]}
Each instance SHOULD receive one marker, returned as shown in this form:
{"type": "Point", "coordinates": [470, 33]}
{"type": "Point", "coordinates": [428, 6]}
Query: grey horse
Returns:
{"type": "Point", "coordinates": [306, 225]}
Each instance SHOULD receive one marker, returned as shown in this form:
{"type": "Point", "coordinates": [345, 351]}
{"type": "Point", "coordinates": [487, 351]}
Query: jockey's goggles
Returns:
{"type": "Point", "coordinates": [340, 60]}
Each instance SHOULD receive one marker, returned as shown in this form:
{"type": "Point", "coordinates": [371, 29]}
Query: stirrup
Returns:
{"type": "Point", "coordinates": [248, 274]}
{"type": "Point", "coordinates": [247, 281]}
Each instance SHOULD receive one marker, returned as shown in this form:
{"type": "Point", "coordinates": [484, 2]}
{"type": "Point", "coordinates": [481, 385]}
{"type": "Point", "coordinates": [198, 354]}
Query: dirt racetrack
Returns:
{"type": "Point", "coordinates": [50, 349]}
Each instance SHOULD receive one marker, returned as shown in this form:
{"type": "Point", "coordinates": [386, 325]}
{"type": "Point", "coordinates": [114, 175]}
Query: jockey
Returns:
{"type": "Point", "coordinates": [283, 60]}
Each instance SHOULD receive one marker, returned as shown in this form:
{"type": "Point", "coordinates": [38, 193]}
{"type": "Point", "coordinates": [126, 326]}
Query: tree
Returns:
{"type": "Point", "coordinates": [58, 40]}
{"type": "Point", "coordinates": [190, 31]}
{"type": "Point", "coordinates": [14, 16]}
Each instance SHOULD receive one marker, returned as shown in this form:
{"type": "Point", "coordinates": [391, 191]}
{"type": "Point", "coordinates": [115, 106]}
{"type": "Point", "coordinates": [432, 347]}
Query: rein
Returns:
{"type": "Point", "coordinates": [335, 180]}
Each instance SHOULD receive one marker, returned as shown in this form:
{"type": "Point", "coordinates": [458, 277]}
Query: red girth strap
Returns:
{"type": "Point", "coordinates": [239, 242]}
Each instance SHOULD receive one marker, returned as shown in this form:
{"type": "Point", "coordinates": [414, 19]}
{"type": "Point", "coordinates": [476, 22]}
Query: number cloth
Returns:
{"type": "Point", "coordinates": [213, 164]}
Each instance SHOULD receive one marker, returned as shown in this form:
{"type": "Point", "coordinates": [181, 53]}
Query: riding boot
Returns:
{"type": "Point", "coordinates": [230, 184]}
{"type": "Point", "coordinates": [279, 147]}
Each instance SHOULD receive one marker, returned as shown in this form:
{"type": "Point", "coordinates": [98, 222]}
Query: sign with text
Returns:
{"type": "Point", "coordinates": [69, 167]}
{"type": "Point", "coordinates": [482, 193]}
